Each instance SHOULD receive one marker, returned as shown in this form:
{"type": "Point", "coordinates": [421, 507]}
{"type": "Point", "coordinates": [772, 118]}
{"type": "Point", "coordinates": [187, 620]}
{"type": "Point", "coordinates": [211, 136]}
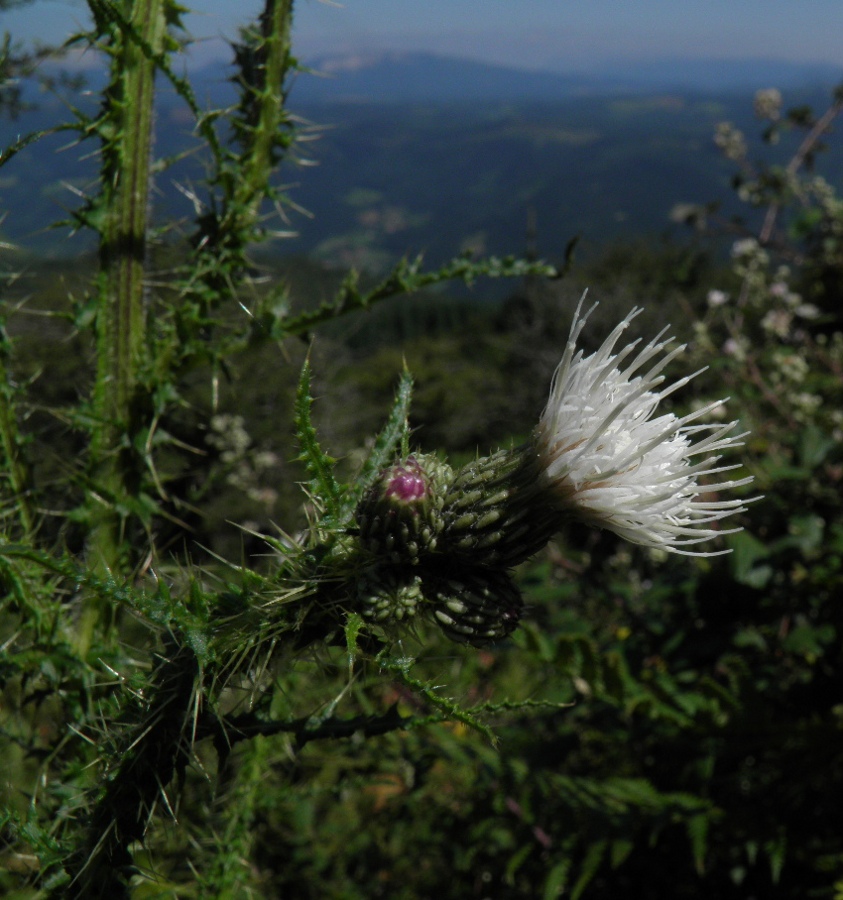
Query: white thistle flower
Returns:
{"type": "Point", "coordinates": [610, 459]}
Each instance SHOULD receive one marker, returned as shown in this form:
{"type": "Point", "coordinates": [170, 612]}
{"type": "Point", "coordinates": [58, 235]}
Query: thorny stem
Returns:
{"type": "Point", "coordinates": [272, 60]}
{"type": "Point", "coordinates": [160, 748]}
{"type": "Point", "coordinates": [16, 474]}
{"type": "Point", "coordinates": [118, 408]}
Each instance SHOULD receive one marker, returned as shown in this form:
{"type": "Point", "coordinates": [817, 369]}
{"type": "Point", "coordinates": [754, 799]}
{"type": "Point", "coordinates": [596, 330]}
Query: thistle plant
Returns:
{"type": "Point", "coordinates": [155, 660]}
{"type": "Point", "coordinates": [71, 591]}
{"type": "Point", "coordinates": [600, 455]}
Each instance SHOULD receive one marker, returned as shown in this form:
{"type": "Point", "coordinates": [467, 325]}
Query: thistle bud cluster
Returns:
{"type": "Point", "coordinates": [495, 511]}
{"type": "Point", "coordinates": [442, 543]}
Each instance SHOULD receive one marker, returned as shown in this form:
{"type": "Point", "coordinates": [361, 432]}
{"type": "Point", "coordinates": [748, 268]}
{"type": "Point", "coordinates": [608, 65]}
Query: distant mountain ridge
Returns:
{"type": "Point", "coordinates": [437, 154]}
{"type": "Point", "coordinates": [393, 77]}
{"type": "Point", "coordinates": [425, 77]}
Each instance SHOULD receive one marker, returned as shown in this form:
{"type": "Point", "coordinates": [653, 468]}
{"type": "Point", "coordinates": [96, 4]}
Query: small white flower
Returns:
{"type": "Point", "coordinates": [768, 104]}
{"type": "Point", "coordinates": [735, 348]}
{"type": "Point", "coordinates": [777, 322]}
{"type": "Point", "coordinates": [807, 311]}
{"type": "Point", "coordinates": [717, 298]}
{"type": "Point", "coordinates": [609, 459]}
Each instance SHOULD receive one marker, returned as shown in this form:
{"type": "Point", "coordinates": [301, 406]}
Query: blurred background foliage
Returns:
{"type": "Point", "coordinates": [663, 726]}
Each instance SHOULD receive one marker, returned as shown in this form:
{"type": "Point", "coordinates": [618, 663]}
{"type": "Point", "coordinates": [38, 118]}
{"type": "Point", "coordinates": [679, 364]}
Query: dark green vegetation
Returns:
{"type": "Point", "coordinates": [184, 712]}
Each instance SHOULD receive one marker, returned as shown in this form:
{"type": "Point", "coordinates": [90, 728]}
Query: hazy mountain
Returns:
{"type": "Point", "coordinates": [425, 77]}
{"type": "Point", "coordinates": [421, 153]}
{"type": "Point", "coordinates": [722, 74]}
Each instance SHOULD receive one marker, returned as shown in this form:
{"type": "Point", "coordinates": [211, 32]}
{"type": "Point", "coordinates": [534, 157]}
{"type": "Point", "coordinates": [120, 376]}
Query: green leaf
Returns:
{"type": "Point", "coordinates": [392, 434]}
{"type": "Point", "coordinates": [593, 858]}
{"type": "Point", "coordinates": [775, 850]}
{"type": "Point", "coordinates": [814, 446]}
{"type": "Point", "coordinates": [807, 533]}
{"type": "Point", "coordinates": [516, 861]}
{"type": "Point", "coordinates": [352, 630]}
{"type": "Point", "coordinates": [556, 880]}
{"type": "Point", "coordinates": [698, 836]}
{"type": "Point", "coordinates": [809, 640]}
{"type": "Point", "coordinates": [748, 551]}
{"type": "Point", "coordinates": [616, 675]}
{"type": "Point", "coordinates": [619, 850]}
{"type": "Point", "coordinates": [319, 465]}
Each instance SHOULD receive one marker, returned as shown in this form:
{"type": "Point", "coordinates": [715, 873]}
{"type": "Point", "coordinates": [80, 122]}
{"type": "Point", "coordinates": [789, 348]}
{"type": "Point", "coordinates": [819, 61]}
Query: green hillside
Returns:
{"type": "Point", "coordinates": [392, 179]}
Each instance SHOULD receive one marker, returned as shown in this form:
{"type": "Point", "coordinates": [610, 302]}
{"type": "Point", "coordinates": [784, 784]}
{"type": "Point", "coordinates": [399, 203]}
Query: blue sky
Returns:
{"type": "Point", "coordinates": [558, 35]}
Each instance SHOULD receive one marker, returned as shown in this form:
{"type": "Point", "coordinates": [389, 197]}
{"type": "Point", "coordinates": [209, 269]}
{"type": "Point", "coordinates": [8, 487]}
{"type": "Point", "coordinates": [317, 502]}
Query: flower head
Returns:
{"type": "Point", "coordinates": [608, 457]}
{"type": "Point", "coordinates": [399, 515]}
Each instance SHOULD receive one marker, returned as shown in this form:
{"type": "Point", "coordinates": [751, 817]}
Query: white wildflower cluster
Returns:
{"type": "Point", "coordinates": [831, 208]}
{"type": "Point", "coordinates": [730, 141]}
{"type": "Point", "coordinates": [789, 374]}
{"type": "Point", "coordinates": [228, 435]}
{"type": "Point", "coordinates": [805, 406]}
{"type": "Point", "coordinates": [737, 348]}
{"type": "Point", "coordinates": [767, 104]}
{"type": "Point", "coordinates": [777, 322]}
{"type": "Point", "coordinates": [791, 366]}
{"type": "Point", "coordinates": [770, 293]}
{"type": "Point", "coordinates": [773, 324]}
{"type": "Point", "coordinates": [751, 263]}
{"type": "Point", "coordinates": [768, 301]}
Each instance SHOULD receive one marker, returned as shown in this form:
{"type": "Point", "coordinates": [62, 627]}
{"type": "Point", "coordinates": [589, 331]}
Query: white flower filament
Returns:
{"type": "Point", "coordinates": [609, 459]}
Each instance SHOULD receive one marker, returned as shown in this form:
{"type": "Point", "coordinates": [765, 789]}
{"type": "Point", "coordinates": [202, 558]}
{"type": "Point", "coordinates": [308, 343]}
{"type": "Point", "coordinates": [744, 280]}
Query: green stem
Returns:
{"type": "Point", "coordinates": [268, 116]}
{"type": "Point", "coordinates": [263, 131]}
{"type": "Point", "coordinates": [15, 474]}
{"type": "Point", "coordinates": [126, 132]}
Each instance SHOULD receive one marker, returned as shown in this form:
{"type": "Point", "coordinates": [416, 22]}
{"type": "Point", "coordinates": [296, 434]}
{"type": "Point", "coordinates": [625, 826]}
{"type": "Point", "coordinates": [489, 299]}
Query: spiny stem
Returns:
{"type": "Point", "coordinates": [126, 133]}
{"type": "Point", "coordinates": [160, 749]}
{"type": "Point", "coordinates": [16, 471]}
{"type": "Point", "coordinates": [267, 117]}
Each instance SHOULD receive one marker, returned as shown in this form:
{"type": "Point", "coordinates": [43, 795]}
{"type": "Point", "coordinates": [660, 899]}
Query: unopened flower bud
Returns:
{"type": "Point", "coordinates": [400, 515]}
{"type": "Point", "coordinates": [387, 594]}
{"type": "Point", "coordinates": [496, 511]}
{"type": "Point", "coordinates": [474, 605]}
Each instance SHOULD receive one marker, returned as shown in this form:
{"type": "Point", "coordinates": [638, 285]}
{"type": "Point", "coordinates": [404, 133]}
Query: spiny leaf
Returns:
{"type": "Point", "coordinates": [393, 433]}
{"type": "Point", "coordinates": [352, 630]}
{"type": "Point", "coordinates": [21, 143]}
{"type": "Point", "coordinates": [319, 464]}
{"type": "Point", "coordinates": [518, 705]}
{"type": "Point", "coordinates": [400, 669]}
{"type": "Point", "coordinates": [407, 277]}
